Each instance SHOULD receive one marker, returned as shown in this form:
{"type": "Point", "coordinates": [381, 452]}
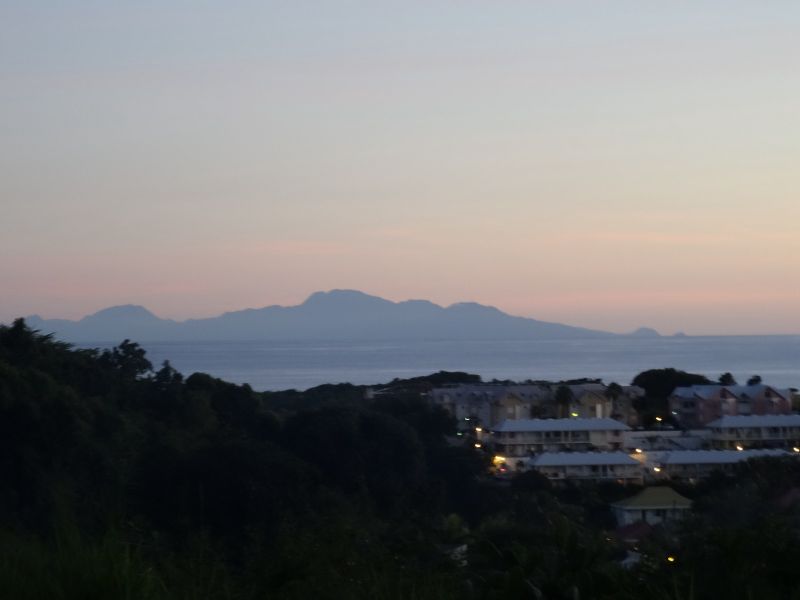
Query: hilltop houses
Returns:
{"type": "Point", "coordinates": [598, 401]}
{"type": "Point", "coordinates": [487, 405]}
{"type": "Point", "coordinates": [522, 437]}
{"type": "Point", "coordinates": [756, 431]}
{"type": "Point", "coordinates": [698, 405]}
{"type": "Point", "coordinates": [585, 431]}
{"type": "Point", "coordinates": [693, 465]}
{"type": "Point", "coordinates": [653, 505]}
{"type": "Point", "coordinates": [588, 466]}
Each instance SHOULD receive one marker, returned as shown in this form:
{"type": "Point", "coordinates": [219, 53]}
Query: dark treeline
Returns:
{"type": "Point", "coordinates": [124, 481]}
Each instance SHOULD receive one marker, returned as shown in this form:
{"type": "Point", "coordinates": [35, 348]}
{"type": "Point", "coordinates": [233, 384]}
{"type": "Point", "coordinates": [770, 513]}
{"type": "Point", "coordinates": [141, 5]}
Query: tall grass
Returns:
{"type": "Point", "coordinates": [72, 568]}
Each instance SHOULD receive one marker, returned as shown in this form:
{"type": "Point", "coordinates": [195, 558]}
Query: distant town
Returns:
{"type": "Point", "coordinates": [592, 431]}
{"type": "Point", "coordinates": [588, 431]}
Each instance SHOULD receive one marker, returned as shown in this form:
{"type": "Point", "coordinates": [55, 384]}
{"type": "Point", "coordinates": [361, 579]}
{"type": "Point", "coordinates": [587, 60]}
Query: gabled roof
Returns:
{"type": "Point", "coordinates": [581, 389]}
{"type": "Point", "coordinates": [481, 393]}
{"type": "Point", "coordinates": [529, 425]}
{"type": "Point", "coordinates": [715, 457]}
{"type": "Point", "coordinates": [654, 498]}
{"type": "Point", "coordinates": [569, 459]}
{"type": "Point", "coordinates": [729, 421]}
{"type": "Point", "coordinates": [704, 391]}
{"type": "Point", "coordinates": [740, 391]}
{"type": "Point", "coordinates": [751, 391]}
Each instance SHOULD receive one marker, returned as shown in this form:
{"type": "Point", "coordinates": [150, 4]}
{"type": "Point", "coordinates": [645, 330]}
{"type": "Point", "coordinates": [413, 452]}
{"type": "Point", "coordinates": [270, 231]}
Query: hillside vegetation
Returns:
{"type": "Point", "coordinates": [121, 480]}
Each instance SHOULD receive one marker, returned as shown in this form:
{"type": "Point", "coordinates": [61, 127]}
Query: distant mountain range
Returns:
{"type": "Point", "coordinates": [334, 315]}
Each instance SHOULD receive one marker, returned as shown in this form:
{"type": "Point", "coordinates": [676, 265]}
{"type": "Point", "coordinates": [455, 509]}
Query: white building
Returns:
{"type": "Point", "coordinates": [756, 431]}
{"type": "Point", "coordinates": [665, 439]}
{"type": "Point", "coordinates": [588, 466]}
{"type": "Point", "coordinates": [522, 437]}
{"type": "Point", "coordinates": [696, 464]}
{"type": "Point", "coordinates": [486, 405]}
{"type": "Point", "coordinates": [653, 505]}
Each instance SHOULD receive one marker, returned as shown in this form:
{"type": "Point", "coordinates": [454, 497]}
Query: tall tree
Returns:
{"type": "Point", "coordinates": [563, 398]}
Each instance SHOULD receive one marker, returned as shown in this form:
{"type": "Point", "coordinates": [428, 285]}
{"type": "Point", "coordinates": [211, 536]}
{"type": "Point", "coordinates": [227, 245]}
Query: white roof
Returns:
{"type": "Point", "coordinates": [756, 421]}
{"type": "Point", "coordinates": [692, 390]}
{"type": "Point", "coordinates": [718, 457]}
{"type": "Point", "coordinates": [565, 459]}
{"type": "Point", "coordinates": [528, 425]}
{"type": "Point", "coordinates": [713, 390]}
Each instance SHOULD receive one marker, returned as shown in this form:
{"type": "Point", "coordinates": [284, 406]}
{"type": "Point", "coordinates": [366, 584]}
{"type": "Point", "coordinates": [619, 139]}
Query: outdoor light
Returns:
{"type": "Point", "coordinates": [659, 419]}
{"type": "Point", "coordinates": [574, 414]}
{"type": "Point", "coordinates": [477, 445]}
{"type": "Point", "coordinates": [796, 449]}
{"type": "Point", "coordinates": [739, 447]}
{"type": "Point", "coordinates": [478, 429]}
{"type": "Point", "coordinates": [671, 559]}
{"type": "Point", "coordinates": [657, 469]}
{"type": "Point", "coordinates": [638, 450]}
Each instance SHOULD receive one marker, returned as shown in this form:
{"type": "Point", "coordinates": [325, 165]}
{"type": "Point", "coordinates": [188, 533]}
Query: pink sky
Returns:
{"type": "Point", "coordinates": [611, 169]}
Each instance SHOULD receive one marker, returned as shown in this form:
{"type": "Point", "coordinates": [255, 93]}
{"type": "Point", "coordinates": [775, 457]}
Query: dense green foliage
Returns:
{"type": "Point", "coordinates": [125, 481]}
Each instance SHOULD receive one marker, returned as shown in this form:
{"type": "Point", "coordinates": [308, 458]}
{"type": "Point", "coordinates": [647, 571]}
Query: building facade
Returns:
{"type": "Point", "coordinates": [755, 431]}
{"type": "Point", "coordinates": [588, 466]}
{"type": "Point", "coordinates": [698, 405]}
{"type": "Point", "coordinates": [523, 437]}
{"type": "Point", "coordinates": [653, 506]}
{"type": "Point", "coordinates": [693, 465]}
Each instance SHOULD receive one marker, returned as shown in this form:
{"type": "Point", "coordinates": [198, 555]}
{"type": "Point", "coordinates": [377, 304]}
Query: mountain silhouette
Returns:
{"type": "Point", "coordinates": [334, 315]}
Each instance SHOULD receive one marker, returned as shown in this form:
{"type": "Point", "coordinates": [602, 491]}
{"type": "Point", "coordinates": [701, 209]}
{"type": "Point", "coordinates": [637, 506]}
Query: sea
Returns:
{"type": "Point", "coordinates": [269, 366]}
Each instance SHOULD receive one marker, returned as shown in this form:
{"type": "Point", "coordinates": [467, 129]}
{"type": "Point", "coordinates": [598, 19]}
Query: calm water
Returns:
{"type": "Point", "coordinates": [300, 365]}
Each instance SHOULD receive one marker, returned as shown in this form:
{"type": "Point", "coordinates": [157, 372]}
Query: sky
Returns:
{"type": "Point", "coordinates": [603, 164]}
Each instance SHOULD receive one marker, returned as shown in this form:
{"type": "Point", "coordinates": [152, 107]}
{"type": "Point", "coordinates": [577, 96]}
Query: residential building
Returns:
{"type": "Point", "coordinates": [588, 401]}
{"type": "Point", "coordinates": [665, 439]}
{"type": "Point", "coordinates": [755, 431]}
{"type": "Point", "coordinates": [653, 505]}
{"type": "Point", "coordinates": [692, 465]}
{"type": "Point", "coordinates": [522, 437]}
{"type": "Point", "coordinates": [588, 466]}
{"type": "Point", "coordinates": [486, 405]}
{"type": "Point", "coordinates": [697, 405]}
{"type": "Point", "coordinates": [594, 401]}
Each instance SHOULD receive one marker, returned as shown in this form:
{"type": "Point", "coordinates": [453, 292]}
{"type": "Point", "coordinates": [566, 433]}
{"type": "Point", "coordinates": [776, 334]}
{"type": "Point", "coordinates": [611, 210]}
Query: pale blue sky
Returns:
{"type": "Point", "coordinates": [607, 164]}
